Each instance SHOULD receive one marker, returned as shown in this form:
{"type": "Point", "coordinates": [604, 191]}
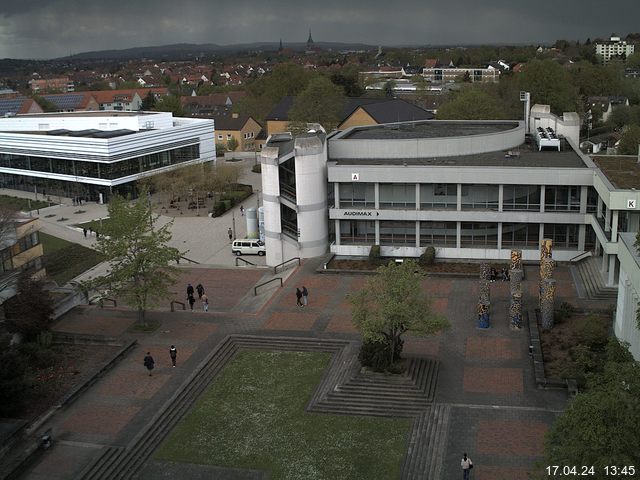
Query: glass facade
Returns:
{"type": "Point", "coordinates": [357, 195]}
{"type": "Point", "coordinates": [397, 233]}
{"type": "Point", "coordinates": [439, 196]}
{"type": "Point", "coordinates": [357, 232]}
{"type": "Point", "coordinates": [102, 170]}
{"type": "Point", "coordinates": [475, 234]}
{"type": "Point", "coordinates": [401, 196]}
{"type": "Point", "coordinates": [521, 197]}
{"type": "Point", "coordinates": [520, 235]}
{"type": "Point", "coordinates": [438, 234]}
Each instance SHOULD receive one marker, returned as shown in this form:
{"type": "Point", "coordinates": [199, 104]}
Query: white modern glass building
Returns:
{"type": "Point", "coordinates": [95, 154]}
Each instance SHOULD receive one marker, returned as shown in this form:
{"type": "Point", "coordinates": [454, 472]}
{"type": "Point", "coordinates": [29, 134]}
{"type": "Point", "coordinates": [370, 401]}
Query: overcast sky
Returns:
{"type": "Point", "coordinates": [53, 28]}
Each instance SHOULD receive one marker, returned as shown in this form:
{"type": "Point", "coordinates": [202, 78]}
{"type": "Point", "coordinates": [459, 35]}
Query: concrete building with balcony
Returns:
{"type": "Point", "coordinates": [94, 154]}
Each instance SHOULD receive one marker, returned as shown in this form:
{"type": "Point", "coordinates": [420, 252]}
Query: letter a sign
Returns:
{"type": "Point", "coordinates": [355, 177]}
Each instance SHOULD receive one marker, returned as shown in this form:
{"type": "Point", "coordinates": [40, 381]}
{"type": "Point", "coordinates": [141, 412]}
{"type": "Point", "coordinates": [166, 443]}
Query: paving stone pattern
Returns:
{"type": "Point", "coordinates": [480, 396]}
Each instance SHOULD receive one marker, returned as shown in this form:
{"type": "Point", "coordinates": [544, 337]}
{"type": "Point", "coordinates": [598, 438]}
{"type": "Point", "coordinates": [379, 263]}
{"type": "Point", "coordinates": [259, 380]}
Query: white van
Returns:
{"type": "Point", "coordinates": [248, 246]}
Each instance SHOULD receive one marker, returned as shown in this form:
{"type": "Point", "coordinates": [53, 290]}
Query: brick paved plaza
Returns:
{"type": "Point", "coordinates": [486, 376]}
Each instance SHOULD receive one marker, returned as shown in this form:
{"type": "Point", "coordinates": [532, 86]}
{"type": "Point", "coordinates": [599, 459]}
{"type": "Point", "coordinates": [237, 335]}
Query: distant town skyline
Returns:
{"type": "Point", "coordinates": [44, 29]}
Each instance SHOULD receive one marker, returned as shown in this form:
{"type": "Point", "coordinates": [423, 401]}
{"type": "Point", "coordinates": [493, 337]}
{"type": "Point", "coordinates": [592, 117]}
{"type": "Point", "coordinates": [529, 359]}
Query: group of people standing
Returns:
{"type": "Point", "coordinates": [201, 296]}
{"type": "Point", "coordinates": [302, 297]}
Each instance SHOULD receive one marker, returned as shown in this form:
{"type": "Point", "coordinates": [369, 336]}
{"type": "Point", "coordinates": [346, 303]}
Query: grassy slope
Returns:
{"type": "Point", "coordinates": [252, 416]}
{"type": "Point", "coordinates": [65, 260]}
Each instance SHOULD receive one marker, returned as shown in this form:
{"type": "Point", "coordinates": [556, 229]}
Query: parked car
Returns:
{"type": "Point", "coordinates": [248, 246]}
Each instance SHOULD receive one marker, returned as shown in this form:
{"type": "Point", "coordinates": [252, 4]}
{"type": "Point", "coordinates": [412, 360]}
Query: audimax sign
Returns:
{"type": "Point", "coordinates": [360, 213]}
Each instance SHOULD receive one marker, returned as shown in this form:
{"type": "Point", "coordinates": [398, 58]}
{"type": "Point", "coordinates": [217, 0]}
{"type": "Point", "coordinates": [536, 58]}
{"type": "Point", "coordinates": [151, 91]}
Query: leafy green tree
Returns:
{"type": "Point", "coordinates": [232, 144]}
{"type": "Point", "coordinates": [321, 102]}
{"type": "Point", "coordinates": [13, 381]}
{"type": "Point", "coordinates": [630, 141]}
{"type": "Point", "coordinates": [393, 303]}
{"type": "Point", "coordinates": [471, 104]}
{"type": "Point", "coordinates": [148, 102]}
{"type": "Point", "coordinates": [549, 84]}
{"type": "Point", "coordinates": [29, 311]}
{"type": "Point", "coordinates": [170, 103]}
{"type": "Point", "coordinates": [138, 254]}
{"type": "Point", "coordinates": [600, 426]}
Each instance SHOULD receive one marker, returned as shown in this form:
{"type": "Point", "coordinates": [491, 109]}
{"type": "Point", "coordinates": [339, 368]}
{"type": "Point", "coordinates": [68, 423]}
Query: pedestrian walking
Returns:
{"type": "Point", "coordinates": [84, 230]}
{"type": "Point", "coordinates": [173, 353]}
{"type": "Point", "coordinates": [148, 362]}
{"type": "Point", "coordinates": [241, 211]}
{"type": "Point", "coordinates": [230, 233]}
{"type": "Point", "coordinates": [298, 297]}
{"type": "Point", "coordinates": [205, 302]}
{"type": "Point", "coordinates": [189, 290]}
{"type": "Point", "coordinates": [466, 465]}
{"type": "Point", "coordinates": [191, 300]}
{"type": "Point", "coordinates": [305, 296]}
{"type": "Point", "coordinates": [200, 290]}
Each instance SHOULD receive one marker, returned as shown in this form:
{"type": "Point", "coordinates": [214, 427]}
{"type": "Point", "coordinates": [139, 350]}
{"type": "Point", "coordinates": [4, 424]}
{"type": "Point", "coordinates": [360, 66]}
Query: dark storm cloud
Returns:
{"type": "Point", "coordinates": [48, 28]}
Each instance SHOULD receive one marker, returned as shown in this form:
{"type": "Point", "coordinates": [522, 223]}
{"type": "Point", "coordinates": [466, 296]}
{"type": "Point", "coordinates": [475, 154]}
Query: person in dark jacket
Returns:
{"type": "Point", "coordinates": [149, 362]}
{"type": "Point", "coordinates": [173, 353]}
{"type": "Point", "coordinates": [298, 297]}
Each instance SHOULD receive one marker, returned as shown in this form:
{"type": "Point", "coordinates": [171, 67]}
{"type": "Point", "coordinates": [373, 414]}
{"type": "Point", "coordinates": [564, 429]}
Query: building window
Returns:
{"type": "Point", "coordinates": [399, 196]}
{"type": "Point", "coordinates": [357, 232]}
{"type": "Point", "coordinates": [397, 233]}
{"type": "Point", "coordinates": [438, 234]}
{"type": "Point", "coordinates": [563, 235]}
{"type": "Point", "coordinates": [480, 197]}
{"type": "Point", "coordinates": [483, 235]}
{"type": "Point", "coordinates": [521, 197]}
{"type": "Point", "coordinates": [562, 198]}
{"type": "Point", "coordinates": [520, 235]}
{"type": "Point", "coordinates": [440, 196]}
{"type": "Point", "coordinates": [357, 195]}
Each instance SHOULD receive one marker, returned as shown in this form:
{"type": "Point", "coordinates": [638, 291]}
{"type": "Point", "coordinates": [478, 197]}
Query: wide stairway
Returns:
{"type": "Point", "coordinates": [588, 272]}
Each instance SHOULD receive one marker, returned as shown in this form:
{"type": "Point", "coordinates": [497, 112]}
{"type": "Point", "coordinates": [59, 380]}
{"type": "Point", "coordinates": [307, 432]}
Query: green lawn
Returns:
{"type": "Point", "coordinates": [65, 260]}
{"type": "Point", "coordinates": [252, 416]}
{"type": "Point", "coordinates": [21, 204]}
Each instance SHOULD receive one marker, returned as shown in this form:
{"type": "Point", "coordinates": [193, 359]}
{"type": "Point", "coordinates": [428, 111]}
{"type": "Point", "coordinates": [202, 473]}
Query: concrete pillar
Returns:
{"type": "Point", "coordinates": [376, 191]}
{"type": "Point", "coordinates": [542, 194]}
{"type": "Point", "coordinates": [582, 233]}
{"type": "Point", "coordinates": [611, 279]}
{"type": "Point", "coordinates": [459, 198]}
{"type": "Point", "coordinates": [614, 226]}
{"type": "Point", "coordinates": [584, 192]}
{"type": "Point", "coordinates": [500, 202]}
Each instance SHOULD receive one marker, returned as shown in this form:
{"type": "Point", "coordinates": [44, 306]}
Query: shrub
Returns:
{"type": "Point", "coordinates": [428, 257]}
{"type": "Point", "coordinates": [374, 255]}
{"type": "Point", "coordinates": [564, 312]}
{"type": "Point", "coordinates": [593, 332]}
{"type": "Point", "coordinates": [376, 355]}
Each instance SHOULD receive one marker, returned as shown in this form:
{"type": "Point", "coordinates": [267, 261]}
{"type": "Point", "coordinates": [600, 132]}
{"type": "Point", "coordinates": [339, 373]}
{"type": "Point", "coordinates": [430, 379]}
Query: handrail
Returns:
{"type": "Point", "coordinates": [184, 307]}
{"type": "Point", "coordinates": [285, 262]}
{"type": "Point", "coordinates": [188, 260]}
{"type": "Point", "coordinates": [255, 289]}
{"type": "Point", "coordinates": [245, 261]}
{"type": "Point", "coordinates": [577, 257]}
